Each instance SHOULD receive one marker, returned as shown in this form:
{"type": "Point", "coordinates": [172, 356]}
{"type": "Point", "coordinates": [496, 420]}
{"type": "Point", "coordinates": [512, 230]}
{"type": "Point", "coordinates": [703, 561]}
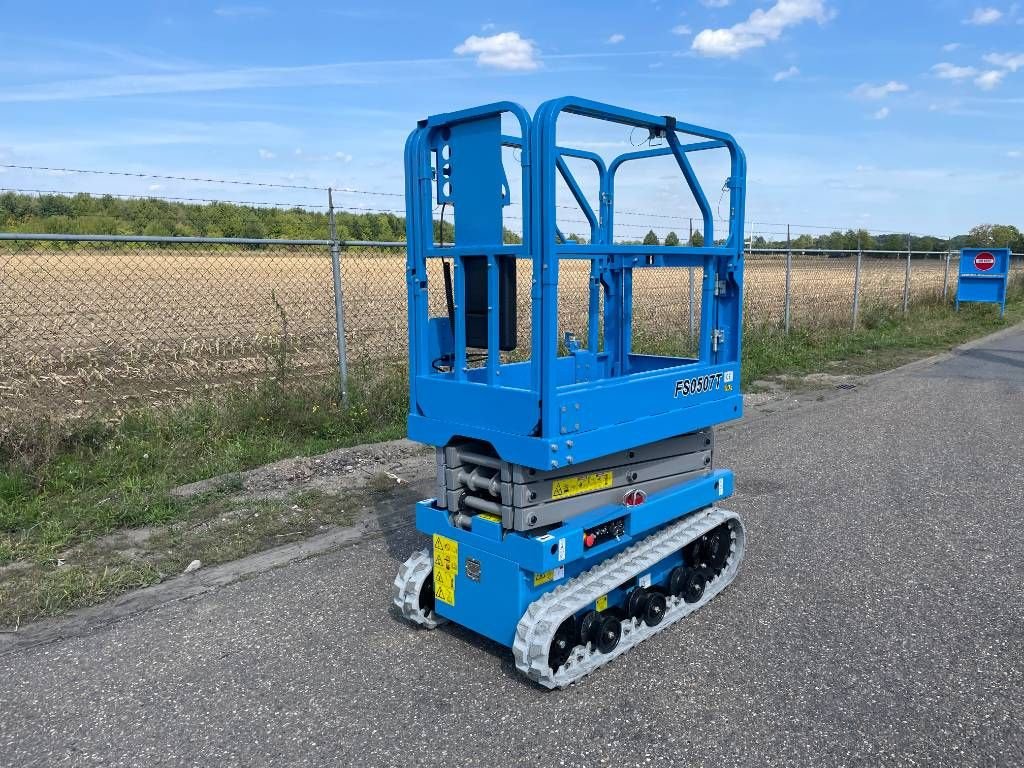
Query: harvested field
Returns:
{"type": "Point", "coordinates": [94, 326]}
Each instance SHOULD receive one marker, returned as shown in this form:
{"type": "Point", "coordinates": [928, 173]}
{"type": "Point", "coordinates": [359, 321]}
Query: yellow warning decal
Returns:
{"type": "Point", "coordinates": [544, 578]}
{"type": "Point", "coordinates": [574, 486]}
{"type": "Point", "coordinates": [488, 516]}
{"type": "Point", "coordinates": [602, 602]}
{"type": "Point", "coordinates": [446, 566]}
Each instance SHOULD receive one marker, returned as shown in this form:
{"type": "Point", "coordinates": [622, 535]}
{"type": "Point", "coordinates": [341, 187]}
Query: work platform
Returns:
{"type": "Point", "coordinates": [575, 508]}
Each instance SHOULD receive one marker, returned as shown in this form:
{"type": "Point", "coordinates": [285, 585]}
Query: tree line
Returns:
{"type": "Point", "coordinates": [981, 236]}
{"type": "Point", "coordinates": [109, 215]}
{"type": "Point", "coordinates": [84, 214]}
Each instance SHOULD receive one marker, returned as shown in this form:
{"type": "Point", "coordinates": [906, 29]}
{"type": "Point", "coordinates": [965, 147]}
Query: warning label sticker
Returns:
{"type": "Point", "coordinates": [488, 516]}
{"type": "Point", "coordinates": [446, 567]}
{"type": "Point", "coordinates": [544, 578]}
{"type": "Point", "coordinates": [574, 486]}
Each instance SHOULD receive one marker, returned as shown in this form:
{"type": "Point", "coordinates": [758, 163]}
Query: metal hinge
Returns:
{"type": "Point", "coordinates": [720, 287]}
{"type": "Point", "coordinates": [717, 337]}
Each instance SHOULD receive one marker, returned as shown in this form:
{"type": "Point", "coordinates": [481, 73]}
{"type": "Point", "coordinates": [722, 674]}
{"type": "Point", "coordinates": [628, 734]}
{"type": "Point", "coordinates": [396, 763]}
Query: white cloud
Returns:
{"type": "Point", "coordinates": [681, 29]}
{"type": "Point", "coordinates": [343, 156]}
{"type": "Point", "coordinates": [947, 71]}
{"type": "Point", "coordinates": [786, 74]}
{"type": "Point", "coordinates": [761, 27]}
{"type": "Point", "coordinates": [1010, 61]}
{"type": "Point", "coordinates": [950, 47]}
{"type": "Point", "coordinates": [266, 154]}
{"type": "Point", "coordinates": [616, 38]}
{"type": "Point", "coordinates": [715, 3]}
{"type": "Point", "coordinates": [989, 80]}
{"type": "Point", "coordinates": [1014, 154]}
{"type": "Point", "coordinates": [240, 11]}
{"type": "Point", "coordinates": [155, 187]}
{"type": "Point", "coordinates": [868, 91]}
{"type": "Point", "coordinates": [881, 114]}
{"type": "Point", "coordinates": [505, 50]}
{"type": "Point", "coordinates": [983, 16]}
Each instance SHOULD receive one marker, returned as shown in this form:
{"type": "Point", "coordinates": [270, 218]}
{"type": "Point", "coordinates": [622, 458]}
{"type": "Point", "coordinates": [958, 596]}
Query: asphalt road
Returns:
{"type": "Point", "coordinates": [878, 620]}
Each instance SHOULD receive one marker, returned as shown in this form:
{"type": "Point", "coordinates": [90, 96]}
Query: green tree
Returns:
{"type": "Point", "coordinates": [1005, 236]}
{"type": "Point", "coordinates": [671, 239]}
{"type": "Point", "coordinates": [697, 239]}
{"type": "Point", "coordinates": [650, 238]}
{"type": "Point", "coordinates": [994, 236]}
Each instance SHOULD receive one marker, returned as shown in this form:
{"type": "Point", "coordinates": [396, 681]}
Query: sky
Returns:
{"type": "Point", "coordinates": [896, 115]}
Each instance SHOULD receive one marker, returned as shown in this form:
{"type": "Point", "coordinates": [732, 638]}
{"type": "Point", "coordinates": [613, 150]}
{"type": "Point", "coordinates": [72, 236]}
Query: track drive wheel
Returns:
{"type": "Point", "coordinates": [711, 550]}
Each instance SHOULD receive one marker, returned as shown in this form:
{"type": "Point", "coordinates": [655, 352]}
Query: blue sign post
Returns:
{"type": "Point", "coordinates": [984, 274]}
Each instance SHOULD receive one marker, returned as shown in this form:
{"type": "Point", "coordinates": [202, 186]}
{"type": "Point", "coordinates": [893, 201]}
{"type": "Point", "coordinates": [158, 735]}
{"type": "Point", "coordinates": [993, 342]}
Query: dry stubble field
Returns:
{"type": "Point", "coordinates": [87, 328]}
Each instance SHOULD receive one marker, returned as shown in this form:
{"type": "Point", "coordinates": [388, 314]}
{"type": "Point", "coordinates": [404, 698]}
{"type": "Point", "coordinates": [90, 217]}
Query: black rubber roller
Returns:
{"type": "Point", "coordinates": [648, 605]}
{"type": "Point", "coordinates": [688, 583]}
{"type": "Point", "coordinates": [636, 602]}
{"type": "Point", "coordinates": [611, 633]}
{"type": "Point", "coordinates": [654, 610]}
{"type": "Point", "coordinates": [601, 630]}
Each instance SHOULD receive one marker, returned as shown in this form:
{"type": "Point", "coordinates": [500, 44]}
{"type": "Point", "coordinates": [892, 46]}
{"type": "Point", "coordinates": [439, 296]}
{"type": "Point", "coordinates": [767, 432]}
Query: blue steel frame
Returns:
{"type": "Point", "coordinates": [555, 410]}
{"type": "Point", "coordinates": [541, 413]}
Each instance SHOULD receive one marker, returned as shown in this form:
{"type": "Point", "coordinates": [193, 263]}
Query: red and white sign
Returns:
{"type": "Point", "coordinates": [984, 261]}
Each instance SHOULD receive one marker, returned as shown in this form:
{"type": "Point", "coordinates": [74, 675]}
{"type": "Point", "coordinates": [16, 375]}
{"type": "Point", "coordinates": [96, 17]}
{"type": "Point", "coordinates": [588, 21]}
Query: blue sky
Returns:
{"type": "Point", "coordinates": [887, 115]}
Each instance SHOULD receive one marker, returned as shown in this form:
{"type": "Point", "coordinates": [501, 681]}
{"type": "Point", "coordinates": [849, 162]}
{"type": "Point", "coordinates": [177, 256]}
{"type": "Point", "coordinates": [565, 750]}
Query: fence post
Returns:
{"type": "Point", "coordinates": [339, 299]}
{"type": "Point", "coordinates": [906, 281]}
{"type": "Point", "coordinates": [945, 276]}
{"type": "Point", "coordinates": [690, 242]}
{"type": "Point", "coordinates": [856, 283]}
{"type": "Point", "coordinates": [789, 280]}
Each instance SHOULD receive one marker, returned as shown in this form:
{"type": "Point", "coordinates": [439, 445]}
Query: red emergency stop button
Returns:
{"type": "Point", "coordinates": [589, 540]}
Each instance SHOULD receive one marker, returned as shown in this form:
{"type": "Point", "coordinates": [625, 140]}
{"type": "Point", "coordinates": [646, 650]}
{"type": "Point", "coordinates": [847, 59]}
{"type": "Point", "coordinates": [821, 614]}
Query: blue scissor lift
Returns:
{"type": "Point", "coordinates": [575, 512]}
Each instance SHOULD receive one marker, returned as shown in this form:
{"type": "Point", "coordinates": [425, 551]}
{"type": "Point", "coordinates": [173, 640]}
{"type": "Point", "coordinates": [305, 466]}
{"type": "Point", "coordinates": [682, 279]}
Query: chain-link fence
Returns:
{"type": "Point", "coordinates": [92, 325]}
{"type": "Point", "coordinates": [95, 325]}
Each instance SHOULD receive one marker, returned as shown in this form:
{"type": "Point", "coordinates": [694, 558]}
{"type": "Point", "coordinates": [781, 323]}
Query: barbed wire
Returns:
{"type": "Point", "coordinates": [169, 177]}
{"type": "Point", "coordinates": [127, 196]}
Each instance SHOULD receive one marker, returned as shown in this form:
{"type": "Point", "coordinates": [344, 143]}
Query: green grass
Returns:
{"type": "Point", "coordinates": [63, 489]}
{"type": "Point", "coordinates": [883, 340]}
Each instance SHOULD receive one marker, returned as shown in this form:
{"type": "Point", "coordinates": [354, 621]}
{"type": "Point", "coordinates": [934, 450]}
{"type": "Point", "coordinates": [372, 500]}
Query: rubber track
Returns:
{"type": "Point", "coordinates": [406, 592]}
{"type": "Point", "coordinates": [537, 628]}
